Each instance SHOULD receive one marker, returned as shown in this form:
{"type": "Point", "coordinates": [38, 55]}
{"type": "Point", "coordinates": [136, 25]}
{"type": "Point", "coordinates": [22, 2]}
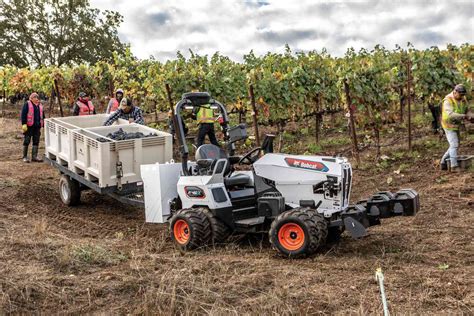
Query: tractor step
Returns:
{"type": "Point", "coordinates": [249, 222]}
{"type": "Point", "coordinates": [244, 213]}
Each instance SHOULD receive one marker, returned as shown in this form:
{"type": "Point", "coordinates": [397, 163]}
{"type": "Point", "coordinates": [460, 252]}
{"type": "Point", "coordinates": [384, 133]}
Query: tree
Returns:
{"type": "Point", "coordinates": [56, 32]}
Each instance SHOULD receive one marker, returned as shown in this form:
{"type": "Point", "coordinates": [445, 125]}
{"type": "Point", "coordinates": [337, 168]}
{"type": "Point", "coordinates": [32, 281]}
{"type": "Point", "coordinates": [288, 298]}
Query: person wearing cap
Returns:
{"type": "Point", "coordinates": [83, 105]}
{"type": "Point", "coordinates": [205, 117]}
{"type": "Point", "coordinates": [453, 112]}
{"type": "Point", "coordinates": [32, 120]}
{"type": "Point", "coordinates": [114, 103]}
{"type": "Point", "coordinates": [126, 111]}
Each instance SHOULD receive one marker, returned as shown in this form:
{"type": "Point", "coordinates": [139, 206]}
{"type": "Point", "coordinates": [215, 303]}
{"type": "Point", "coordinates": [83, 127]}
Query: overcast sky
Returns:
{"type": "Point", "coordinates": [234, 27]}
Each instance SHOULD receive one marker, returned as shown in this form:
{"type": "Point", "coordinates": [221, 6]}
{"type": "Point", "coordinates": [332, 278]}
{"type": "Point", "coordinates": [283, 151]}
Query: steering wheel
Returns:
{"type": "Point", "coordinates": [250, 157]}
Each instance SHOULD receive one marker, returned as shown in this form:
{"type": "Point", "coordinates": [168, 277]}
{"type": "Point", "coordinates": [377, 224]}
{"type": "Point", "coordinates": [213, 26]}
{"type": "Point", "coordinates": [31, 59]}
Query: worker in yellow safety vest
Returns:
{"type": "Point", "coordinates": [205, 118]}
{"type": "Point", "coordinates": [454, 110]}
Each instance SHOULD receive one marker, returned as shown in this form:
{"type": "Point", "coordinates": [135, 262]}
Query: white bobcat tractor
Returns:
{"type": "Point", "coordinates": [301, 201]}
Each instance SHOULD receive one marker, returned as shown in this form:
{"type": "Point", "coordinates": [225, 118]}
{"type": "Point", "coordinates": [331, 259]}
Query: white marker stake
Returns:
{"type": "Point", "coordinates": [379, 277]}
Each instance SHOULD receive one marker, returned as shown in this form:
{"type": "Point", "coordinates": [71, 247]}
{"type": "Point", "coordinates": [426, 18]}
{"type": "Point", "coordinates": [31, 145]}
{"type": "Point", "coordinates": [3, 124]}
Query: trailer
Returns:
{"type": "Point", "coordinates": [88, 159]}
{"type": "Point", "coordinates": [72, 184]}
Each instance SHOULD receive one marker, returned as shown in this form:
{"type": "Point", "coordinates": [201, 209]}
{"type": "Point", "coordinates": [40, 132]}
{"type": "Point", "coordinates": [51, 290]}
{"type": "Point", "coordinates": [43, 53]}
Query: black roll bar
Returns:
{"type": "Point", "coordinates": [181, 137]}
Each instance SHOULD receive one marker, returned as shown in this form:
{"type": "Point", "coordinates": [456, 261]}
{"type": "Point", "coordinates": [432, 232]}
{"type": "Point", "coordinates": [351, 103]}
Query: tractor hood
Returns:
{"type": "Point", "coordinates": [287, 169]}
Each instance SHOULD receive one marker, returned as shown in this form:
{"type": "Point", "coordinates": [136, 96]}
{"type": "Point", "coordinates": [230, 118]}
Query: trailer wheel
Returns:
{"type": "Point", "coordinates": [220, 231]}
{"type": "Point", "coordinates": [298, 232]}
{"type": "Point", "coordinates": [190, 229]}
{"type": "Point", "coordinates": [69, 191]}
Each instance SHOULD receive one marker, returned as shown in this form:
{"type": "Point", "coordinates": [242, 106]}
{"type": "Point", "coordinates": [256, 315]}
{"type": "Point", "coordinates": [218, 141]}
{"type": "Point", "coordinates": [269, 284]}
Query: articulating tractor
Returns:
{"type": "Point", "coordinates": [301, 201]}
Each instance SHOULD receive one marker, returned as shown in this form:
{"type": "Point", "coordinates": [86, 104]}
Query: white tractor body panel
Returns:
{"type": "Point", "coordinates": [206, 184]}
{"type": "Point", "coordinates": [296, 177]}
{"type": "Point", "coordinates": [159, 184]}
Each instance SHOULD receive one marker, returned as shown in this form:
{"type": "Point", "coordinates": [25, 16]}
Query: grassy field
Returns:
{"type": "Point", "coordinates": [101, 257]}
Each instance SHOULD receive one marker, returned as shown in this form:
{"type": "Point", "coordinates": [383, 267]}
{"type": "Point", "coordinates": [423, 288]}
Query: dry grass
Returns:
{"type": "Point", "coordinates": [101, 257]}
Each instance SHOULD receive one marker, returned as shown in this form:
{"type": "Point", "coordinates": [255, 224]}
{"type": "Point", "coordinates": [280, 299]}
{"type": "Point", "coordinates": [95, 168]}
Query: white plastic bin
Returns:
{"type": "Point", "coordinates": [100, 162]}
{"type": "Point", "coordinates": [58, 136]}
{"type": "Point", "coordinates": [86, 121]}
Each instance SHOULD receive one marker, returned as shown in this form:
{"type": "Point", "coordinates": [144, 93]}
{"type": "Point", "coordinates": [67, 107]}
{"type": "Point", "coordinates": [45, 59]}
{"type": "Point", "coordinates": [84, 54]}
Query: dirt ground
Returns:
{"type": "Point", "coordinates": [101, 257]}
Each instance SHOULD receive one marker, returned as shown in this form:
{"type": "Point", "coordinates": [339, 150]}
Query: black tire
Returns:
{"type": "Point", "coordinates": [220, 231]}
{"type": "Point", "coordinates": [194, 229]}
{"type": "Point", "coordinates": [308, 231]}
{"type": "Point", "coordinates": [69, 191]}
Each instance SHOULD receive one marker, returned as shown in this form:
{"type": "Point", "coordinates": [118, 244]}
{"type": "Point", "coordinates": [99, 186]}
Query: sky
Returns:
{"type": "Point", "coordinates": [160, 28]}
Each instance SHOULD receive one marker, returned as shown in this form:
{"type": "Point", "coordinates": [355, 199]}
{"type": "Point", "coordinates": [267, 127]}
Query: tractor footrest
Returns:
{"type": "Point", "coordinates": [249, 222]}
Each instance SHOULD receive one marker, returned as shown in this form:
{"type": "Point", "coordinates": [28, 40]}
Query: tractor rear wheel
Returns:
{"type": "Point", "coordinates": [220, 231]}
{"type": "Point", "coordinates": [190, 229]}
{"type": "Point", "coordinates": [298, 232]}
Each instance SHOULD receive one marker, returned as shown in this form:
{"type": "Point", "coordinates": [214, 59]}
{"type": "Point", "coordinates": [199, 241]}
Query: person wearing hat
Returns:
{"type": "Point", "coordinates": [453, 112]}
{"type": "Point", "coordinates": [114, 103]}
{"type": "Point", "coordinates": [32, 120]}
{"type": "Point", "coordinates": [83, 105]}
{"type": "Point", "coordinates": [126, 111]}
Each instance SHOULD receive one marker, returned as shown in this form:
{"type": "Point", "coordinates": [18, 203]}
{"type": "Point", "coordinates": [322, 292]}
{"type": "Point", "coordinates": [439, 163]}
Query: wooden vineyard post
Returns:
{"type": "Point", "coordinates": [51, 99]}
{"type": "Point", "coordinates": [111, 88]}
{"type": "Point", "coordinates": [402, 101]}
{"type": "Point", "coordinates": [4, 101]}
{"type": "Point", "coordinates": [355, 147]}
{"type": "Point", "coordinates": [409, 103]}
{"type": "Point", "coordinates": [318, 122]}
{"type": "Point", "coordinates": [59, 97]}
{"type": "Point", "coordinates": [254, 115]}
{"type": "Point", "coordinates": [155, 104]}
{"type": "Point", "coordinates": [173, 118]}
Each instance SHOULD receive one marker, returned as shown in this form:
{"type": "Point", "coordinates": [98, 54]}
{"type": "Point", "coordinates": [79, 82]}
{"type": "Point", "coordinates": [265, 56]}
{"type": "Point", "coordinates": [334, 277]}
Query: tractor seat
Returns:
{"type": "Point", "coordinates": [208, 154]}
{"type": "Point", "coordinates": [237, 179]}
{"type": "Point", "coordinates": [209, 151]}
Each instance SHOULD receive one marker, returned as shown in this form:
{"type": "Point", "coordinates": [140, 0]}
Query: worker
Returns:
{"type": "Point", "coordinates": [126, 111]}
{"type": "Point", "coordinates": [114, 103]}
{"type": "Point", "coordinates": [83, 105]}
{"type": "Point", "coordinates": [453, 112]}
{"type": "Point", "coordinates": [205, 118]}
{"type": "Point", "coordinates": [32, 120]}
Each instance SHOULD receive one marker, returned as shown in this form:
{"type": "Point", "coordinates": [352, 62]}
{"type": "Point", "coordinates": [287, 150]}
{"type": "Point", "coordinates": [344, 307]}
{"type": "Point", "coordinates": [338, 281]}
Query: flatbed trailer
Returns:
{"type": "Point", "coordinates": [72, 184]}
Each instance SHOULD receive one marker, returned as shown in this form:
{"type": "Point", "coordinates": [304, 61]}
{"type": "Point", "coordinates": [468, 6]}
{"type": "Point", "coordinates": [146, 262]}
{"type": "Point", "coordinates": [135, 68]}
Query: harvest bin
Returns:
{"type": "Point", "coordinates": [113, 163]}
{"type": "Point", "coordinates": [58, 134]}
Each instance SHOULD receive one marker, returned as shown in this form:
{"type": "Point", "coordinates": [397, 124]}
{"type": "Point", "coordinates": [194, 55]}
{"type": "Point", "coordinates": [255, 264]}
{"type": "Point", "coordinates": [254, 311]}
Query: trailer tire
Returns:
{"type": "Point", "coordinates": [69, 191]}
{"type": "Point", "coordinates": [298, 232]}
{"type": "Point", "coordinates": [190, 229]}
{"type": "Point", "coordinates": [220, 231]}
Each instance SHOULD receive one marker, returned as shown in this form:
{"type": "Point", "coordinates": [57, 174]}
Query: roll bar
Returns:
{"type": "Point", "coordinates": [193, 100]}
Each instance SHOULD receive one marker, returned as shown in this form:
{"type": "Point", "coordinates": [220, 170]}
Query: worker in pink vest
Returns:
{"type": "Point", "coordinates": [83, 105]}
{"type": "Point", "coordinates": [114, 103]}
{"type": "Point", "coordinates": [32, 120]}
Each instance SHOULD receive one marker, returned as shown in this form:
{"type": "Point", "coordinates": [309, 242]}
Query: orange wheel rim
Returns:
{"type": "Point", "coordinates": [181, 231]}
{"type": "Point", "coordinates": [291, 236]}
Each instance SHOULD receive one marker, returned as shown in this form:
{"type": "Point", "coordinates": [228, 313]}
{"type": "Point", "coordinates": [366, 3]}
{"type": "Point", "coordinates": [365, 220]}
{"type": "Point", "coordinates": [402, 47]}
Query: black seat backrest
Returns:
{"type": "Point", "coordinates": [209, 151]}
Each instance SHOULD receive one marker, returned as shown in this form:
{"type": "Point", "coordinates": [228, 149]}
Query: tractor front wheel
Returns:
{"type": "Point", "coordinates": [190, 229]}
{"type": "Point", "coordinates": [220, 231]}
{"type": "Point", "coordinates": [298, 232]}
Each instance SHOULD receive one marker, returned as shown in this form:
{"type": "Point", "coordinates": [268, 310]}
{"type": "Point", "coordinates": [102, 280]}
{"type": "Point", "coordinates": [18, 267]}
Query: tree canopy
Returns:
{"type": "Point", "coordinates": [56, 32]}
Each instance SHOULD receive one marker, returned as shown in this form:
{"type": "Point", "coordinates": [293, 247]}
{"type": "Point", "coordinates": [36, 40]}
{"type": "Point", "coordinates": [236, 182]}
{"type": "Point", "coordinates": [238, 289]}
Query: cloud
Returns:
{"type": "Point", "coordinates": [235, 27]}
